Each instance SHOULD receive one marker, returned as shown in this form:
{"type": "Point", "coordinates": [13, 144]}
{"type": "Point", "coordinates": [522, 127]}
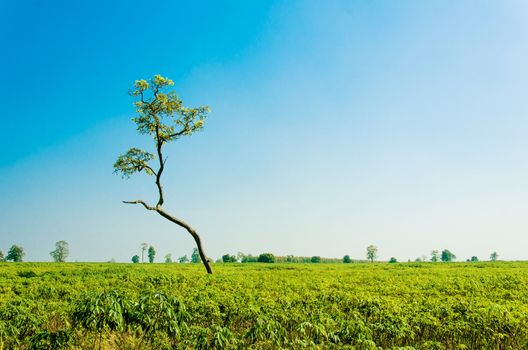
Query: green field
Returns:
{"type": "Point", "coordinates": [264, 306]}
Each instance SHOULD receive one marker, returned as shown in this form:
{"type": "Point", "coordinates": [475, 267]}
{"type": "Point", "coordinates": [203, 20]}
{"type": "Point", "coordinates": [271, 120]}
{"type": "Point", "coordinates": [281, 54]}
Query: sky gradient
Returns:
{"type": "Point", "coordinates": [335, 126]}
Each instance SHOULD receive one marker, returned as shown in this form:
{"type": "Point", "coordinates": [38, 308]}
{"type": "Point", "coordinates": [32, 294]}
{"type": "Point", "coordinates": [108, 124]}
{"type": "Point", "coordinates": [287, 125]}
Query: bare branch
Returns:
{"type": "Point", "coordinates": [148, 207]}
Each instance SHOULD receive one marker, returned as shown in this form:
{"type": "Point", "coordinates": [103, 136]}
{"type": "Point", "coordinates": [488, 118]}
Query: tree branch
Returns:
{"type": "Point", "coordinates": [179, 133]}
{"type": "Point", "coordinates": [149, 168]}
{"type": "Point", "coordinates": [148, 207]}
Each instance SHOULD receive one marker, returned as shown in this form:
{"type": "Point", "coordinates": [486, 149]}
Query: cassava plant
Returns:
{"type": "Point", "coordinates": [161, 115]}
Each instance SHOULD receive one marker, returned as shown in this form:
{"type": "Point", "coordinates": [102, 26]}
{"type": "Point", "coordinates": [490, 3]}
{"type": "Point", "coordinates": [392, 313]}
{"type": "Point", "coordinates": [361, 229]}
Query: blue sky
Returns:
{"type": "Point", "coordinates": [333, 126]}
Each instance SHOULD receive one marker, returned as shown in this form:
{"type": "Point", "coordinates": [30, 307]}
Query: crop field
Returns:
{"type": "Point", "coordinates": [264, 306]}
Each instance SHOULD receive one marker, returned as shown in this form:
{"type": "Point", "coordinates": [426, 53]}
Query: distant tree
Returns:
{"type": "Point", "coordinates": [162, 116]}
{"type": "Point", "coordinates": [447, 256]}
{"type": "Point", "coordinates": [435, 256]}
{"type": "Point", "coordinates": [1, 256]}
{"type": "Point", "coordinates": [315, 259]}
{"type": "Point", "coordinates": [15, 253]}
{"type": "Point", "coordinates": [346, 259]}
{"type": "Point", "coordinates": [151, 254]}
{"type": "Point", "coordinates": [372, 253]}
{"type": "Point", "coordinates": [135, 259]}
{"type": "Point", "coordinates": [393, 260]}
{"type": "Point", "coordinates": [195, 256]}
{"type": "Point", "coordinates": [494, 256]}
{"type": "Point", "coordinates": [168, 258]}
{"type": "Point", "coordinates": [418, 259]}
{"type": "Point", "coordinates": [474, 259]}
{"type": "Point", "coordinates": [290, 258]}
{"type": "Point", "coordinates": [183, 259]}
{"type": "Point", "coordinates": [61, 251]}
{"type": "Point", "coordinates": [266, 258]}
{"type": "Point", "coordinates": [144, 247]}
{"type": "Point", "coordinates": [229, 258]}
{"type": "Point", "coordinates": [249, 259]}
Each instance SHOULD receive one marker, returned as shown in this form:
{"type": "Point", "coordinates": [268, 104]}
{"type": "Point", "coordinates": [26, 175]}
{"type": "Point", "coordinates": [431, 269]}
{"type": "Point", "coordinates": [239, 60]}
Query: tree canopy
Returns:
{"type": "Point", "coordinates": [372, 253]}
{"type": "Point", "coordinates": [16, 253]}
{"type": "Point", "coordinates": [447, 256]}
{"type": "Point", "coordinates": [61, 251]}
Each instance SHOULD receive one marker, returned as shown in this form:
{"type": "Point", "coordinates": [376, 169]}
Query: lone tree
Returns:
{"type": "Point", "coordinates": [372, 253]}
{"type": "Point", "coordinates": [144, 247]}
{"type": "Point", "coordinates": [494, 256]}
{"type": "Point", "coordinates": [61, 251]}
{"type": "Point", "coordinates": [195, 256]}
{"type": "Point", "coordinates": [447, 256]}
{"type": "Point", "coordinates": [435, 256]}
{"type": "Point", "coordinates": [151, 254]}
{"type": "Point", "coordinates": [162, 116]}
{"type": "Point", "coordinates": [15, 253]}
{"type": "Point", "coordinates": [135, 259]}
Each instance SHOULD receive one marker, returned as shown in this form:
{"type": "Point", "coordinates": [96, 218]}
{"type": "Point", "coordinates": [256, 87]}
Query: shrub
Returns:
{"type": "Point", "coordinates": [266, 258]}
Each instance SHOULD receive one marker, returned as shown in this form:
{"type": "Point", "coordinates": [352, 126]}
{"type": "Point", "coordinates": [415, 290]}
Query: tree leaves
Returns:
{"type": "Point", "coordinates": [162, 114]}
{"type": "Point", "coordinates": [135, 160]}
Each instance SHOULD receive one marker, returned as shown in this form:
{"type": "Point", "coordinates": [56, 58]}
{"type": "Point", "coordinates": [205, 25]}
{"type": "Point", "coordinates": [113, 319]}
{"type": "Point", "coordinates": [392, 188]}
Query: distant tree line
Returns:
{"type": "Point", "coordinates": [16, 253]}
{"type": "Point", "coordinates": [371, 255]}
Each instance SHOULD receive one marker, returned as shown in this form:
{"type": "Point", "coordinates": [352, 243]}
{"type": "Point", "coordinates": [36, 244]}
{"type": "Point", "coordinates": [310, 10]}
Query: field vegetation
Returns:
{"type": "Point", "coordinates": [481, 305]}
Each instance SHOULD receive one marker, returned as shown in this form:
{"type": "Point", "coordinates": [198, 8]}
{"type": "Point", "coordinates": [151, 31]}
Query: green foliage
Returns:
{"type": "Point", "coordinates": [372, 253]}
{"type": "Point", "coordinates": [275, 306]}
{"type": "Point", "coordinates": [315, 259]}
{"type": "Point", "coordinates": [61, 251]}
{"type": "Point", "coordinates": [135, 259]}
{"type": "Point", "coordinates": [195, 256]}
{"type": "Point", "coordinates": [183, 259]}
{"type": "Point", "coordinates": [494, 256]}
{"type": "Point", "coordinates": [474, 259]}
{"type": "Point", "coordinates": [247, 258]}
{"type": "Point", "coordinates": [393, 260]}
{"type": "Point", "coordinates": [447, 256]}
{"type": "Point", "coordinates": [151, 254]}
{"type": "Point", "coordinates": [168, 258]}
{"type": "Point", "coordinates": [16, 253]}
{"type": "Point", "coordinates": [100, 311]}
{"type": "Point", "coordinates": [135, 160]}
{"type": "Point", "coordinates": [346, 259]}
{"type": "Point", "coordinates": [160, 114]}
{"type": "Point", "coordinates": [266, 258]}
{"type": "Point", "coordinates": [229, 258]}
{"type": "Point", "coordinates": [435, 256]}
{"type": "Point", "coordinates": [1, 256]}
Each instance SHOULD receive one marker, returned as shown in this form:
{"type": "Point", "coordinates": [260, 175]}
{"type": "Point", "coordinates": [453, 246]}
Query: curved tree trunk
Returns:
{"type": "Point", "coordinates": [192, 232]}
